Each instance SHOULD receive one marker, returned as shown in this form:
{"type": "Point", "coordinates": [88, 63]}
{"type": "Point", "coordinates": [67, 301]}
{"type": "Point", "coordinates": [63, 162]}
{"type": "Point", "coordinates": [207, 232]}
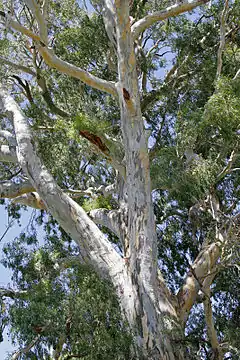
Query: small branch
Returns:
{"type": "Point", "coordinates": [174, 10]}
{"type": "Point", "coordinates": [227, 168]}
{"type": "Point", "coordinates": [237, 74]}
{"type": "Point", "coordinates": [25, 87]}
{"type": "Point", "coordinates": [194, 281]}
{"type": "Point", "coordinates": [13, 294]}
{"type": "Point", "coordinates": [222, 39]}
{"type": "Point", "coordinates": [11, 190]}
{"type": "Point", "coordinates": [23, 68]}
{"type": "Point", "coordinates": [7, 229]}
{"type": "Point", "coordinates": [48, 99]}
{"type": "Point", "coordinates": [9, 137]}
{"type": "Point", "coordinates": [27, 348]}
{"type": "Point", "coordinates": [65, 263]}
{"type": "Point", "coordinates": [153, 95]}
{"type": "Point", "coordinates": [92, 192]}
{"type": "Point", "coordinates": [212, 334]}
{"type": "Point", "coordinates": [31, 199]}
{"type": "Point", "coordinates": [10, 23]}
{"type": "Point", "coordinates": [8, 154]}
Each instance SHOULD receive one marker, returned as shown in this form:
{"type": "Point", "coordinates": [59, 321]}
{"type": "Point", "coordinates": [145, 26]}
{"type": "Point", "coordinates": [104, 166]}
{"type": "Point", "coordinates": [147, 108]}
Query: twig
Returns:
{"type": "Point", "coordinates": [27, 348]}
{"type": "Point", "coordinates": [7, 229]}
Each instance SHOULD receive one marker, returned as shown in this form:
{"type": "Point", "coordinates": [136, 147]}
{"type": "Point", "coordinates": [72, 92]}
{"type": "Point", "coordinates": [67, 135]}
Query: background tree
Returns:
{"type": "Point", "coordinates": [134, 111]}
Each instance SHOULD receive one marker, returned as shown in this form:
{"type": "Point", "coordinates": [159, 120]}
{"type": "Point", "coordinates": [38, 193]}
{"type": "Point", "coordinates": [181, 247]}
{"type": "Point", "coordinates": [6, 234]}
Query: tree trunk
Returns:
{"type": "Point", "coordinates": [144, 298]}
{"type": "Point", "coordinates": [154, 316]}
{"type": "Point", "coordinates": [154, 323]}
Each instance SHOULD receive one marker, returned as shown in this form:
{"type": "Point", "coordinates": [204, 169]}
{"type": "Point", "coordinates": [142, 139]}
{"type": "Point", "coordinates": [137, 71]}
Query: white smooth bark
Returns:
{"type": "Point", "coordinates": [174, 10]}
{"type": "Point", "coordinates": [152, 313]}
{"type": "Point", "coordinates": [63, 66]}
{"type": "Point", "coordinates": [94, 247]}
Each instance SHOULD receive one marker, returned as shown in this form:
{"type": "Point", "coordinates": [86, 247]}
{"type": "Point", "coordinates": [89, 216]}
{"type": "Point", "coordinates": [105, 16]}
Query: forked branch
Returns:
{"type": "Point", "coordinates": [171, 11]}
{"type": "Point", "coordinates": [54, 62]}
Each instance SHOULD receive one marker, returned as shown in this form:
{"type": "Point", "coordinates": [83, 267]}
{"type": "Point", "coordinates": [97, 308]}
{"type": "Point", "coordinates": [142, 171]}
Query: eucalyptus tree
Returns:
{"type": "Point", "coordinates": [98, 138]}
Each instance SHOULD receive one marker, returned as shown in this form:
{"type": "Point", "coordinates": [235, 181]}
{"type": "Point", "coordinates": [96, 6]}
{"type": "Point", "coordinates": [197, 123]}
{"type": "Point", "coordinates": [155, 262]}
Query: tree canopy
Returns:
{"type": "Point", "coordinates": [76, 78]}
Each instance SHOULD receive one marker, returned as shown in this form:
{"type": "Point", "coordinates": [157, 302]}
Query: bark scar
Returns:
{"type": "Point", "coordinates": [126, 95]}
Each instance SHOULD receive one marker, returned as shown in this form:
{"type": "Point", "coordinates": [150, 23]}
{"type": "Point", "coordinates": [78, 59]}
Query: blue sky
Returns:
{"type": "Point", "coordinates": [5, 274]}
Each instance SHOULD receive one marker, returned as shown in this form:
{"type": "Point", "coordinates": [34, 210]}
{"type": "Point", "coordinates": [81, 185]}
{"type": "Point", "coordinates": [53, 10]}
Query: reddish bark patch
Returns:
{"type": "Point", "coordinates": [95, 140]}
{"type": "Point", "coordinates": [126, 95]}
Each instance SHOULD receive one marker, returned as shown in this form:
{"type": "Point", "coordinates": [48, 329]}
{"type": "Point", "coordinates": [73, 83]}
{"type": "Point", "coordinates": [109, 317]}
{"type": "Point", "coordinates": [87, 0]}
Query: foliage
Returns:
{"type": "Point", "coordinates": [190, 113]}
{"type": "Point", "coordinates": [65, 302]}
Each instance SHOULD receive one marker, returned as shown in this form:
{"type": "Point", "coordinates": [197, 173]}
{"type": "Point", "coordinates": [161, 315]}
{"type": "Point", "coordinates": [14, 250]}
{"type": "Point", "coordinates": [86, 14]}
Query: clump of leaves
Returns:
{"type": "Point", "coordinates": [70, 307]}
{"type": "Point", "coordinates": [93, 125]}
{"type": "Point", "coordinates": [101, 201]}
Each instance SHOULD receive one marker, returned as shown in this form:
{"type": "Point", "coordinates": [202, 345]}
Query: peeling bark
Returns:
{"type": "Point", "coordinates": [94, 247]}
{"type": "Point", "coordinates": [156, 317]}
{"type": "Point", "coordinates": [152, 312]}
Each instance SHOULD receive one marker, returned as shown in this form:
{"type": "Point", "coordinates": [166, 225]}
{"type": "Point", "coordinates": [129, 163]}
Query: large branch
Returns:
{"type": "Point", "coordinates": [171, 11]}
{"type": "Point", "coordinates": [64, 67]}
{"type": "Point", "coordinates": [54, 62]}
{"type": "Point", "coordinates": [36, 10]}
{"type": "Point", "coordinates": [199, 272]}
{"type": "Point", "coordinates": [94, 247]}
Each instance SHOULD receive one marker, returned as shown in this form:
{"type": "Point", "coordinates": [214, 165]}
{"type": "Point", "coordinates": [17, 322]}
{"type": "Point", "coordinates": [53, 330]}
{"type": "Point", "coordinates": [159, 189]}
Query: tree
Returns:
{"type": "Point", "coordinates": [97, 139]}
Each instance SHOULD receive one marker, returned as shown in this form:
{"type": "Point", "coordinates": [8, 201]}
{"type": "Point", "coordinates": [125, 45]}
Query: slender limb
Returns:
{"type": "Point", "coordinates": [65, 263]}
{"type": "Point", "coordinates": [212, 334]}
{"type": "Point", "coordinates": [36, 11]}
{"type": "Point", "coordinates": [174, 10]}
{"type": "Point", "coordinates": [6, 230]}
{"type": "Point", "coordinates": [222, 39]}
{"type": "Point", "coordinates": [27, 348]}
{"type": "Point", "coordinates": [20, 67]}
{"type": "Point", "coordinates": [153, 95]}
{"type": "Point", "coordinates": [227, 169]}
{"type": "Point", "coordinates": [8, 154]}
{"type": "Point", "coordinates": [9, 22]}
{"type": "Point", "coordinates": [24, 86]}
{"type": "Point", "coordinates": [13, 294]}
{"type": "Point", "coordinates": [237, 74]}
{"type": "Point", "coordinates": [48, 98]}
{"type": "Point", "coordinates": [63, 66]}
{"type": "Point", "coordinates": [11, 190]}
{"type": "Point", "coordinates": [31, 199]}
{"type": "Point", "coordinates": [203, 270]}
